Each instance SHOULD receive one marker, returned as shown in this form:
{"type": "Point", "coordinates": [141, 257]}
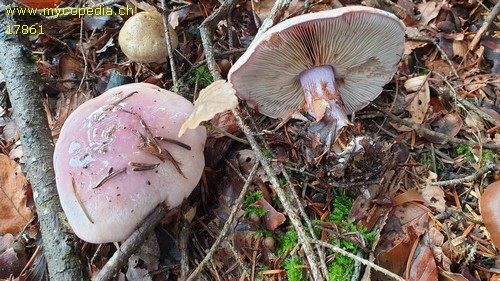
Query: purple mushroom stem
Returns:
{"type": "Point", "coordinates": [323, 101]}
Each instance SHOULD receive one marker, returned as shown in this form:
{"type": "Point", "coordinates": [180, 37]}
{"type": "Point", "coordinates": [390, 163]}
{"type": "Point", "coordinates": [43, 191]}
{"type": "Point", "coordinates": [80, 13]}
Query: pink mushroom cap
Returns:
{"type": "Point", "coordinates": [112, 167]}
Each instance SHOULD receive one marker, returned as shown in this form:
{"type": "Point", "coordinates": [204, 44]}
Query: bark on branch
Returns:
{"type": "Point", "coordinates": [60, 245]}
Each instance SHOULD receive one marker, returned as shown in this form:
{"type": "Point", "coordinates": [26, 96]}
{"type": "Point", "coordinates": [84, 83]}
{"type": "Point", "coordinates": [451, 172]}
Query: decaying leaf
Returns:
{"type": "Point", "coordinates": [218, 97]}
{"type": "Point", "coordinates": [428, 11]}
{"type": "Point", "coordinates": [272, 219]}
{"type": "Point", "coordinates": [418, 98]}
{"type": "Point", "coordinates": [14, 214]}
{"type": "Point", "coordinates": [423, 266]}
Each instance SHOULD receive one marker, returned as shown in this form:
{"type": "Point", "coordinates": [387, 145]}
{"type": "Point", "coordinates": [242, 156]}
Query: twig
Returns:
{"type": "Point", "coordinates": [86, 65]}
{"type": "Point", "coordinates": [435, 42]}
{"type": "Point", "coordinates": [452, 210]}
{"type": "Point", "coordinates": [423, 131]}
{"type": "Point", "coordinates": [297, 224]}
{"type": "Point", "coordinates": [130, 246]}
{"type": "Point", "coordinates": [206, 29]}
{"type": "Point", "coordinates": [487, 168]}
{"type": "Point", "coordinates": [170, 50]}
{"type": "Point", "coordinates": [487, 22]}
{"type": "Point", "coordinates": [185, 227]}
{"type": "Point", "coordinates": [233, 250]}
{"type": "Point", "coordinates": [361, 260]}
{"type": "Point", "coordinates": [221, 131]}
{"type": "Point", "coordinates": [21, 76]}
{"type": "Point", "coordinates": [319, 249]}
{"type": "Point", "coordinates": [468, 105]}
{"type": "Point", "coordinates": [234, 210]}
{"type": "Point", "coordinates": [274, 17]}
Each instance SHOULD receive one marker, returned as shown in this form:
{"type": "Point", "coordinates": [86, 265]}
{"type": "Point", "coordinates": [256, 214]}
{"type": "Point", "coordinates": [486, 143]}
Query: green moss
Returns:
{"type": "Point", "coordinates": [203, 76]}
{"type": "Point", "coordinates": [250, 204]}
{"type": "Point", "coordinates": [342, 267]}
{"type": "Point", "coordinates": [293, 269]}
{"type": "Point", "coordinates": [287, 241]}
{"type": "Point", "coordinates": [489, 156]}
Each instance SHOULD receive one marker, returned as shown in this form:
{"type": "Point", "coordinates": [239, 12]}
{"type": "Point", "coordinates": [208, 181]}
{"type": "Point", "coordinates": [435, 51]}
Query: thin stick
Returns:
{"type": "Point", "coordinates": [361, 260]}
{"type": "Point", "coordinates": [468, 105]}
{"type": "Point", "coordinates": [274, 17]}
{"type": "Point", "coordinates": [302, 212]}
{"type": "Point", "coordinates": [489, 19]}
{"type": "Point", "coordinates": [109, 176]}
{"type": "Point", "coordinates": [79, 200]}
{"type": "Point", "coordinates": [206, 28]}
{"type": "Point", "coordinates": [234, 210]}
{"type": "Point", "coordinates": [130, 246]}
{"type": "Point", "coordinates": [423, 131]}
{"type": "Point", "coordinates": [435, 42]}
{"type": "Point", "coordinates": [290, 211]}
{"type": "Point", "coordinates": [170, 48]}
{"type": "Point", "coordinates": [487, 168]}
{"type": "Point", "coordinates": [221, 131]}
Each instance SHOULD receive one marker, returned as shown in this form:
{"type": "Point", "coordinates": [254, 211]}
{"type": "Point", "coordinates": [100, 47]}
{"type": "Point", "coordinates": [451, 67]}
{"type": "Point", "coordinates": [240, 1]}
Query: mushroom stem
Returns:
{"type": "Point", "coordinates": [323, 101]}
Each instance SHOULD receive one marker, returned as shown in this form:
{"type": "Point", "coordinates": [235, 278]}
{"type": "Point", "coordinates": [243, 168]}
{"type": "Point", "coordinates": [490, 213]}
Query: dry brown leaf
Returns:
{"type": "Point", "coordinates": [450, 276]}
{"type": "Point", "coordinates": [428, 11]}
{"type": "Point", "coordinates": [418, 99]}
{"type": "Point", "coordinates": [14, 214]}
{"type": "Point", "coordinates": [433, 195]}
{"type": "Point", "coordinates": [272, 219]}
{"type": "Point", "coordinates": [216, 98]}
{"type": "Point", "coordinates": [423, 267]}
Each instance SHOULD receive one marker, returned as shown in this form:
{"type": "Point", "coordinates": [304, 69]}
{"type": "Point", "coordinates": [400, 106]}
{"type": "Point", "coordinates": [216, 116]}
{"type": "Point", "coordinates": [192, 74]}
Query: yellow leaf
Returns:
{"type": "Point", "coordinates": [216, 98]}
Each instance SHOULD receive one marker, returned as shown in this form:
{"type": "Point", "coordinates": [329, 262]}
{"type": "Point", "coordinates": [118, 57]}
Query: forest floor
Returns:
{"type": "Point", "coordinates": [407, 201]}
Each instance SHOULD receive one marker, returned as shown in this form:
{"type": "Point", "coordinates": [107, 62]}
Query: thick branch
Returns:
{"type": "Point", "coordinates": [60, 247]}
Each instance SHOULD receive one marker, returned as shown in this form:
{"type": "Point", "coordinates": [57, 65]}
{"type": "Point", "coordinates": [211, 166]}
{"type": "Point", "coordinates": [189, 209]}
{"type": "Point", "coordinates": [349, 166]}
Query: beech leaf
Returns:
{"type": "Point", "coordinates": [216, 98]}
{"type": "Point", "coordinates": [14, 214]}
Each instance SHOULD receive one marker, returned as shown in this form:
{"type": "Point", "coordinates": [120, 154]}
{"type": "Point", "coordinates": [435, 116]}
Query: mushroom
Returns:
{"type": "Point", "coordinates": [142, 38]}
{"type": "Point", "coordinates": [333, 63]}
{"type": "Point", "coordinates": [488, 205]}
{"type": "Point", "coordinates": [118, 156]}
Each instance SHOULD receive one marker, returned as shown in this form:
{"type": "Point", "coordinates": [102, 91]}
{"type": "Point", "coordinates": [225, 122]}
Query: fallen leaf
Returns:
{"type": "Point", "coordinates": [216, 98]}
{"type": "Point", "coordinates": [395, 258]}
{"type": "Point", "coordinates": [272, 219]}
{"type": "Point", "coordinates": [13, 256]}
{"type": "Point", "coordinates": [450, 276]}
{"type": "Point", "coordinates": [418, 98]}
{"type": "Point", "coordinates": [450, 124]}
{"type": "Point", "coordinates": [14, 214]}
{"type": "Point", "coordinates": [423, 267]}
{"type": "Point", "coordinates": [225, 121]}
{"type": "Point", "coordinates": [428, 11]}
{"type": "Point", "coordinates": [433, 195]}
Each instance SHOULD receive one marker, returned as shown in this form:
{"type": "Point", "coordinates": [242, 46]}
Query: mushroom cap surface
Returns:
{"type": "Point", "coordinates": [490, 211]}
{"type": "Point", "coordinates": [104, 136]}
{"type": "Point", "coordinates": [142, 38]}
{"type": "Point", "coordinates": [363, 45]}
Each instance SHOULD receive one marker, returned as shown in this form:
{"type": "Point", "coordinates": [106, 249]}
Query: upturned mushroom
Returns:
{"type": "Point", "coordinates": [489, 207]}
{"type": "Point", "coordinates": [118, 156]}
{"type": "Point", "coordinates": [142, 38]}
{"type": "Point", "coordinates": [332, 63]}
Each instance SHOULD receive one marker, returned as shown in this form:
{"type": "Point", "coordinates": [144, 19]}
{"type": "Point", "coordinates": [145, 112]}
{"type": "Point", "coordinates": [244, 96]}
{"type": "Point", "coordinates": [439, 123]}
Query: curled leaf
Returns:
{"type": "Point", "coordinates": [216, 98]}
